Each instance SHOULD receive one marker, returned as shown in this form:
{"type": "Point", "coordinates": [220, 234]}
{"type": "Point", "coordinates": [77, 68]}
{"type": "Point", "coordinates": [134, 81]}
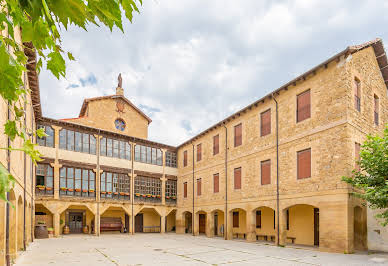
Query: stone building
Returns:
{"type": "Point", "coordinates": [270, 172]}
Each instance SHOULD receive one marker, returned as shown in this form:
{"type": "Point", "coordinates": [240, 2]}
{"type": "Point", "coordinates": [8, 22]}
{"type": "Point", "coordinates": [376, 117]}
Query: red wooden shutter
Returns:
{"type": "Point", "coordinates": [216, 147]}
{"type": "Point", "coordinates": [236, 219]}
{"type": "Point", "coordinates": [357, 148]}
{"type": "Point", "coordinates": [185, 158]}
{"type": "Point", "coordinates": [303, 106]}
{"type": "Point", "coordinates": [199, 152]}
{"type": "Point", "coordinates": [185, 190]}
{"type": "Point", "coordinates": [304, 164]}
{"type": "Point", "coordinates": [199, 187]}
{"type": "Point", "coordinates": [265, 123]}
{"type": "Point", "coordinates": [237, 178]}
{"type": "Point", "coordinates": [266, 172]}
{"type": "Point", "coordinates": [216, 184]}
{"type": "Point", "coordinates": [238, 135]}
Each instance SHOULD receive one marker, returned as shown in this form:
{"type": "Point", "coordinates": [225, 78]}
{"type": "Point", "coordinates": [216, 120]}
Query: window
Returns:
{"type": "Point", "coordinates": [265, 123]}
{"type": "Point", "coordinates": [376, 111]}
{"type": "Point", "coordinates": [44, 179]}
{"type": "Point", "coordinates": [171, 159]}
{"type": "Point", "coordinates": [304, 163]}
{"type": "Point", "coordinates": [266, 172]}
{"type": "Point", "coordinates": [199, 152]}
{"type": "Point", "coordinates": [216, 144]}
{"type": "Point", "coordinates": [145, 154]}
{"type": "Point", "coordinates": [258, 219]}
{"type": "Point", "coordinates": [237, 178]}
{"type": "Point", "coordinates": [199, 187]}
{"type": "Point", "coordinates": [184, 158]}
{"type": "Point", "coordinates": [236, 220]}
{"type": "Point", "coordinates": [216, 183]}
{"type": "Point", "coordinates": [288, 219]}
{"type": "Point", "coordinates": [77, 141]}
{"type": "Point", "coordinates": [357, 94]}
{"type": "Point", "coordinates": [357, 148]}
{"type": "Point", "coordinates": [185, 189]}
{"type": "Point", "coordinates": [148, 186]}
{"type": "Point", "coordinates": [303, 109]}
{"type": "Point", "coordinates": [115, 185]}
{"type": "Point", "coordinates": [115, 148]}
{"type": "Point", "coordinates": [77, 182]}
{"type": "Point", "coordinates": [47, 141]}
{"type": "Point", "coordinates": [238, 135]}
{"type": "Point", "coordinates": [120, 124]}
{"type": "Point", "coordinates": [171, 189]}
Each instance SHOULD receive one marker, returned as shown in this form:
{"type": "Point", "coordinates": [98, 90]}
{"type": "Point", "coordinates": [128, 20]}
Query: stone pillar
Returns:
{"type": "Point", "coordinates": [251, 225]}
{"type": "Point", "coordinates": [196, 224]}
{"type": "Point", "coordinates": [162, 224]}
{"type": "Point", "coordinates": [57, 224]}
{"type": "Point", "coordinates": [282, 228]}
{"type": "Point", "coordinates": [56, 167]}
{"type": "Point", "coordinates": [98, 214]}
{"type": "Point", "coordinates": [229, 230]}
{"type": "Point", "coordinates": [209, 225]}
{"type": "Point", "coordinates": [163, 189]}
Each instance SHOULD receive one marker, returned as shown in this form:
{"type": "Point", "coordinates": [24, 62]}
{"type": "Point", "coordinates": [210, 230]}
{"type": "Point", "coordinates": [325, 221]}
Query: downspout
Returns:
{"type": "Point", "coordinates": [7, 257]}
{"type": "Point", "coordinates": [25, 174]}
{"type": "Point", "coordinates": [133, 187]}
{"type": "Point", "coordinates": [193, 216]}
{"type": "Point", "coordinates": [226, 184]}
{"type": "Point", "coordinates": [32, 179]}
{"type": "Point", "coordinates": [97, 230]}
{"type": "Point", "coordinates": [277, 170]}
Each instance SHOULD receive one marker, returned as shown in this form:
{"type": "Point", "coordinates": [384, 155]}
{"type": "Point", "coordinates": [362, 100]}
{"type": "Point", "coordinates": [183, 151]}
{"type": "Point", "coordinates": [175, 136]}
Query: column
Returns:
{"type": "Point", "coordinates": [251, 226]}
{"type": "Point", "coordinates": [56, 164]}
{"type": "Point", "coordinates": [282, 229]}
{"type": "Point", "coordinates": [196, 224]}
{"type": "Point", "coordinates": [162, 224]}
{"type": "Point", "coordinates": [96, 224]}
{"type": "Point", "coordinates": [97, 189]}
{"type": "Point", "coordinates": [209, 224]}
{"type": "Point", "coordinates": [163, 192]}
{"type": "Point", "coordinates": [57, 224]}
{"type": "Point", "coordinates": [229, 230]}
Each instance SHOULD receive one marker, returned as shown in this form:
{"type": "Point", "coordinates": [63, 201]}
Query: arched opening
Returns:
{"type": "Point", "coordinates": [78, 218]}
{"type": "Point", "coordinates": [28, 223]}
{"type": "Point", "coordinates": [265, 224]}
{"type": "Point", "coordinates": [148, 220]}
{"type": "Point", "coordinates": [218, 223]}
{"type": "Point", "coordinates": [238, 224]}
{"type": "Point", "coordinates": [201, 222]}
{"type": "Point", "coordinates": [360, 229]}
{"type": "Point", "coordinates": [188, 220]}
{"type": "Point", "coordinates": [302, 225]}
{"type": "Point", "coordinates": [20, 225]}
{"type": "Point", "coordinates": [43, 216]}
{"type": "Point", "coordinates": [114, 219]}
{"type": "Point", "coordinates": [12, 225]}
{"type": "Point", "coordinates": [170, 221]}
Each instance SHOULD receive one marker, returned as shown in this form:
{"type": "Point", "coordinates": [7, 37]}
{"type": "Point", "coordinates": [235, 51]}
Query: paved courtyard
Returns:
{"type": "Point", "coordinates": [172, 249]}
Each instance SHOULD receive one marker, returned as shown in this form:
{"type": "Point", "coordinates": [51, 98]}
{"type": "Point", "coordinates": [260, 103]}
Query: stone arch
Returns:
{"type": "Point", "coordinates": [12, 224]}
{"type": "Point", "coordinates": [76, 216]}
{"type": "Point", "coordinates": [359, 228]}
{"type": "Point", "coordinates": [148, 220]}
{"type": "Point", "coordinates": [115, 212]}
{"type": "Point", "coordinates": [237, 223]}
{"type": "Point", "coordinates": [263, 223]}
{"type": "Point", "coordinates": [20, 225]}
{"type": "Point", "coordinates": [200, 222]}
{"type": "Point", "coordinates": [171, 221]}
{"type": "Point", "coordinates": [187, 218]}
{"type": "Point", "coordinates": [217, 222]}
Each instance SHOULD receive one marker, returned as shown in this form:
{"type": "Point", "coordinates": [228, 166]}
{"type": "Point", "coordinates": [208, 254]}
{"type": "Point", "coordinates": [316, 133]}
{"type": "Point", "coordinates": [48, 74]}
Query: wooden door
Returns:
{"type": "Point", "coordinates": [216, 224]}
{"type": "Point", "coordinates": [75, 222]}
{"type": "Point", "coordinates": [126, 223]}
{"type": "Point", "coordinates": [202, 223]}
{"type": "Point", "coordinates": [316, 226]}
{"type": "Point", "coordinates": [139, 223]}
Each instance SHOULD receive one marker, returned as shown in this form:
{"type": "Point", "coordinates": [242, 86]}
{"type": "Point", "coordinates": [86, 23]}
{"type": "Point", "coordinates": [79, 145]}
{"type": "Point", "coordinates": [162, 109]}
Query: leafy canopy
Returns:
{"type": "Point", "coordinates": [372, 178]}
{"type": "Point", "coordinates": [40, 22]}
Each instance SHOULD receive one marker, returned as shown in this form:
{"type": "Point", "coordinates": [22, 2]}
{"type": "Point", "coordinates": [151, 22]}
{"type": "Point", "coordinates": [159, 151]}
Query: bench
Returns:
{"type": "Point", "coordinates": [237, 235]}
{"type": "Point", "coordinates": [265, 237]}
{"type": "Point", "coordinates": [292, 239]}
{"type": "Point", "coordinates": [111, 224]}
{"type": "Point", "coordinates": [151, 229]}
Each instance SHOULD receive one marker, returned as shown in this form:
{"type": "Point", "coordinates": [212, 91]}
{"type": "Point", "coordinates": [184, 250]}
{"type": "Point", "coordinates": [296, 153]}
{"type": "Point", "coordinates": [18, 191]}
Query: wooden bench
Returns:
{"type": "Point", "coordinates": [265, 237]}
{"type": "Point", "coordinates": [151, 229]}
{"type": "Point", "coordinates": [236, 235]}
{"type": "Point", "coordinates": [292, 239]}
{"type": "Point", "coordinates": [111, 224]}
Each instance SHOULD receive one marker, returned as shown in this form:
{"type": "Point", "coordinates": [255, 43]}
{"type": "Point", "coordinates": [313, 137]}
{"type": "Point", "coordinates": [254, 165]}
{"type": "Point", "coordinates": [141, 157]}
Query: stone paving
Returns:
{"type": "Point", "coordinates": [172, 249]}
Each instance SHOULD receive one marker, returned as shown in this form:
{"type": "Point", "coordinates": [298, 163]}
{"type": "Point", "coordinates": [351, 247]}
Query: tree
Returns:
{"type": "Point", "coordinates": [40, 21]}
{"type": "Point", "coordinates": [371, 180]}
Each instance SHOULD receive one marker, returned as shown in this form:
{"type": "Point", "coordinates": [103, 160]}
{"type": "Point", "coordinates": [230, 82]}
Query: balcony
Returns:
{"type": "Point", "coordinates": [84, 193]}
{"type": "Point", "coordinates": [115, 195]}
{"type": "Point", "coordinates": [147, 198]}
{"type": "Point", "coordinates": [44, 191]}
{"type": "Point", "coordinates": [171, 200]}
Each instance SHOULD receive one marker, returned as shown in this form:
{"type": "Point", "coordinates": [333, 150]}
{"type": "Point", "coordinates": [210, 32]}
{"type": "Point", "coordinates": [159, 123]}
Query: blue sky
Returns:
{"type": "Point", "coordinates": [188, 64]}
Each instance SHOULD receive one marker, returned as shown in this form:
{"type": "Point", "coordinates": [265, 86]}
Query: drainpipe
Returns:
{"type": "Point", "coordinates": [193, 216]}
{"type": "Point", "coordinates": [7, 257]}
{"type": "Point", "coordinates": [277, 169]}
{"type": "Point", "coordinates": [32, 180]}
{"type": "Point", "coordinates": [97, 230]}
{"type": "Point", "coordinates": [226, 184]}
{"type": "Point", "coordinates": [25, 174]}
{"type": "Point", "coordinates": [133, 186]}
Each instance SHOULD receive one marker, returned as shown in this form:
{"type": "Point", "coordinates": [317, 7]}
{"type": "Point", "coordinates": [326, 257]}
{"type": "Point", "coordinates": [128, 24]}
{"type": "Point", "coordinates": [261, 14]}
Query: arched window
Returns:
{"type": "Point", "coordinates": [120, 124]}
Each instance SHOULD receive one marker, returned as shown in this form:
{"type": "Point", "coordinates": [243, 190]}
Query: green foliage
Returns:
{"type": "Point", "coordinates": [372, 178]}
{"type": "Point", "coordinates": [40, 21]}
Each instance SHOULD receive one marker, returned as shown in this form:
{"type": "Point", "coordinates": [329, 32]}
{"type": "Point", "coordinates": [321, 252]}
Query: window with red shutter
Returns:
{"type": "Point", "coordinates": [303, 110]}
{"type": "Point", "coordinates": [357, 148]}
{"type": "Point", "coordinates": [357, 94]}
{"type": "Point", "coordinates": [216, 147]}
{"type": "Point", "coordinates": [238, 135]}
{"type": "Point", "coordinates": [199, 152]}
{"type": "Point", "coordinates": [199, 189]}
{"type": "Point", "coordinates": [258, 219]}
{"type": "Point", "coordinates": [216, 183]}
{"type": "Point", "coordinates": [265, 123]}
{"type": "Point", "coordinates": [236, 220]}
{"type": "Point", "coordinates": [185, 190]}
{"type": "Point", "coordinates": [304, 164]}
{"type": "Point", "coordinates": [266, 172]}
{"type": "Point", "coordinates": [184, 158]}
{"type": "Point", "coordinates": [237, 178]}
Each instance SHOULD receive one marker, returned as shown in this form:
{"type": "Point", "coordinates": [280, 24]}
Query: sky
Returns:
{"type": "Point", "coordinates": [188, 64]}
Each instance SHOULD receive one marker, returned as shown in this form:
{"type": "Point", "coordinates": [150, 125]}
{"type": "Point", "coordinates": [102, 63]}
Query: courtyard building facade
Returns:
{"type": "Point", "coordinates": [270, 172]}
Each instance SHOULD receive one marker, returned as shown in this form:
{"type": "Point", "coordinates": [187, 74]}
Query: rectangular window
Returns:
{"type": "Point", "coordinates": [266, 172]}
{"type": "Point", "coordinates": [216, 144]}
{"type": "Point", "coordinates": [143, 154]}
{"type": "Point", "coordinates": [62, 139]}
{"type": "Point", "coordinates": [85, 143]}
{"type": "Point", "coordinates": [288, 219]}
{"type": "Point", "coordinates": [199, 187]}
{"type": "Point", "coordinates": [70, 140]}
{"type": "Point", "coordinates": [47, 141]}
{"type": "Point", "coordinates": [258, 219]}
{"type": "Point", "coordinates": [199, 152]}
{"type": "Point", "coordinates": [216, 183]}
{"type": "Point", "coordinates": [128, 151]}
{"type": "Point", "coordinates": [159, 157]}
{"type": "Point", "coordinates": [92, 144]}
{"type": "Point", "coordinates": [357, 148]}
{"type": "Point", "coordinates": [44, 179]}
{"type": "Point", "coordinates": [103, 147]}
{"type": "Point", "coordinates": [77, 182]}
{"type": "Point", "coordinates": [149, 155]}
{"type": "Point", "coordinates": [265, 123]}
{"type": "Point", "coordinates": [357, 94]}
{"type": "Point", "coordinates": [185, 190]}
{"type": "Point", "coordinates": [109, 147]}
{"type": "Point", "coordinates": [236, 220]}
{"type": "Point", "coordinates": [304, 163]}
{"type": "Point", "coordinates": [237, 178]}
{"type": "Point", "coordinates": [78, 141]}
{"type": "Point", "coordinates": [115, 148]}
{"type": "Point", "coordinates": [238, 135]}
{"type": "Point", "coordinates": [171, 159]}
{"type": "Point", "coordinates": [376, 112]}
{"type": "Point", "coordinates": [184, 158]}
{"type": "Point", "coordinates": [137, 153]}
{"type": "Point", "coordinates": [303, 110]}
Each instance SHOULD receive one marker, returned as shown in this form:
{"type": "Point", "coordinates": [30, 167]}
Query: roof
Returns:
{"type": "Point", "coordinates": [33, 79]}
{"type": "Point", "coordinates": [381, 58]}
{"type": "Point", "coordinates": [86, 102]}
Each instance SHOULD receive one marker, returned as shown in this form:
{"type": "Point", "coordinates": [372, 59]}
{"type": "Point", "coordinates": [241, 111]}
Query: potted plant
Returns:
{"type": "Point", "coordinates": [49, 188]}
{"type": "Point", "coordinates": [173, 197]}
{"type": "Point", "coordinates": [158, 196]}
{"type": "Point", "coordinates": [66, 230]}
{"type": "Point", "coordinates": [85, 229]}
{"type": "Point", "coordinates": [63, 188]}
{"type": "Point", "coordinates": [122, 194]}
{"type": "Point", "coordinates": [103, 192]}
{"type": "Point", "coordinates": [70, 189]}
{"type": "Point", "coordinates": [154, 196]}
{"type": "Point", "coordinates": [148, 195]}
{"type": "Point", "coordinates": [40, 187]}
{"type": "Point", "coordinates": [126, 194]}
{"type": "Point", "coordinates": [77, 190]}
{"type": "Point", "coordinates": [85, 191]}
{"type": "Point", "coordinates": [115, 193]}
{"type": "Point", "coordinates": [91, 190]}
{"type": "Point", "coordinates": [50, 231]}
{"type": "Point", "coordinates": [109, 192]}
{"type": "Point", "coordinates": [143, 195]}
{"type": "Point", "coordinates": [137, 194]}
{"type": "Point", "coordinates": [167, 197]}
